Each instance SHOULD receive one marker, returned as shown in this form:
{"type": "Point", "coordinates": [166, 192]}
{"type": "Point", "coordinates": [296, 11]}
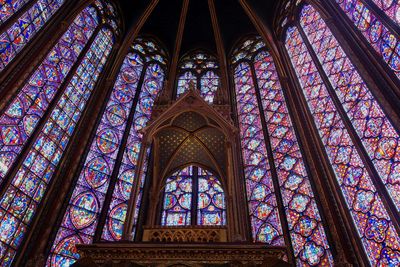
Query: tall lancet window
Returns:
{"type": "Point", "coordinates": [375, 30]}
{"type": "Point", "coordinates": [268, 138]}
{"type": "Point", "coordinates": [20, 118]}
{"type": "Point", "coordinates": [20, 21]}
{"type": "Point", "coordinates": [104, 183]}
{"type": "Point", "coordinates": [193, 196]}
{"type": "Point", "coordinates": [45, 112]}
{"type": "Point", "coordinates": [201, 69]}
{"type": "Point", "coordinates": [347, 114]}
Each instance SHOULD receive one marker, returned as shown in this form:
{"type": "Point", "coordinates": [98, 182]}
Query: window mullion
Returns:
{"type": "Point", "coordinates": [142, 214]}
{"type": "Point", "coordinates": [195, 195]}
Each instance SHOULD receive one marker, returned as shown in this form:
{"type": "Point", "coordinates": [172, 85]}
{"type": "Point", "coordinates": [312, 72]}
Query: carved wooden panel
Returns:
{"type": "Point", "coordinates": [194, 234]}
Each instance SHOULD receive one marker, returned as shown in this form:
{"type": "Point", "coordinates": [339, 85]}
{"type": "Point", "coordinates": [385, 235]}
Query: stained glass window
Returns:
{"type": "Point", "coordinates": [43, 89]}
{"type": "Point", "coordinates": [8, 8]}
{"type": "Point", "coordinates": [209, 83]}
{"type": "Point", "coordinates": [391, 9]}
{"type": "Point", "coordinates": [152, 85]}
{"type": "Point", "coordinates": [265, 221]}
{"type": "Point", "coordinates": [178, 194]}
{"type": "Point", "coordinates": [184, 82]}
{"type": "Point", "coordinates": [21, 117]}
{"type": "Point", "coordinates": [192, 192]}
{"type": "Point", "coordinates": [380, 139]}
{"type": "Point", "coordinates": [376, 230]}
{"type": "Point", "coordinates": [385, 43]}
{"type": "Point", "coordinates": [108, 13]}
{"type": "Point", "coordinates": [14, 38]}
{"type": "Point", "coordinates": [29, 185]}
{"type": "Point", "coordinates": [88, 200]}
{"type": "Point", "coordinates": [210, 200]}
{"type": "Point", "coordinates": [84, 207]}
{"type": "Point", "coordinates": [305, 225]}
{"type": "Point", "coordinates": [202, 70]}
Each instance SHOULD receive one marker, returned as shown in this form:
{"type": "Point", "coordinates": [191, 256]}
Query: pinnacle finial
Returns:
{"type": "Point", "coordinates": [163, 96]}
{"type": "Point", "coordinates": [219, 95]}
{"type": "Point", "coordinates": [192, 86]}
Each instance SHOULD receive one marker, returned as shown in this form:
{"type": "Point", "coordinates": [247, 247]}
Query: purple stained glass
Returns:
{"type": "Point", "coordinates": [28, 187]}
{"type": "Point", "coordinates": [209, 83]}
{"type": "Point", "coordinates": [15, 37]}
{"type": "Point", "coordinates": [152, 85]}
{"type": "Point", "coordinates": [375, 229]}
{"type": "Point", "coordinates": [109, 13]}
{"type": "Point", "coordinates": [380, 139]}
{"type": "Point", "coordinates": [178, 194]}
{"type": "Point", "coordinates": [180, 198]}
{"type": "Point", "coordinates": [247, 50]}
{"type": "Point", "coordinates": [184, 82]}
{"type": "Point", "coordinates": [308, 236]}
{"type": "Point", "coordinates": [87, 200]}
{"type": "Point", "coordinates": [21, 117]}
{"type": "Point", "coordinates": [211, 207]}
{"type": "Point", "coordinates": [265, 221]}
{"type": "Point", "coordinates": [385, 43]}
{"type": "Point", "coordinates": [201, 69]}
{"type": "Point", "coordinates": [9, 8]}
{"type": "Point", "coordinates": [391, 8]}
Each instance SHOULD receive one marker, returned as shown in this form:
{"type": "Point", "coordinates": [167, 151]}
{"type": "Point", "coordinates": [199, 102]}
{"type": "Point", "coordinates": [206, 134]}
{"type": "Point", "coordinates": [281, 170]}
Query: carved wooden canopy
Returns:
{"type": "Point", "coordinates": [190, 132]}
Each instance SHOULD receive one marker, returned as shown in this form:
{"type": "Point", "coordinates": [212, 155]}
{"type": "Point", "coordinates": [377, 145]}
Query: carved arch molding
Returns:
{"type": "Point", "coordinates": [188, 132]}
{"type": "Point", "coordinates": [191, 139]}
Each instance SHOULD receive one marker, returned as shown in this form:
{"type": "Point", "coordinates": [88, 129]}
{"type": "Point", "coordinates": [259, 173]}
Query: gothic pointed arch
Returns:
{"type": "Point", "coordinates": [188, 132]}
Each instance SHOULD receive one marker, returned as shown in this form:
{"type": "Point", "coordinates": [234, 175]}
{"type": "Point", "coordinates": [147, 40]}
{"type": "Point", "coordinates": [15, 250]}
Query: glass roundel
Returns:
{"type": "Point", "coordinates": [193, 196]}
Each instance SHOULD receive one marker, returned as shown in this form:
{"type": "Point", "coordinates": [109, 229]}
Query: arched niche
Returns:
{"type": "Point", "coordinates": [190, 132]}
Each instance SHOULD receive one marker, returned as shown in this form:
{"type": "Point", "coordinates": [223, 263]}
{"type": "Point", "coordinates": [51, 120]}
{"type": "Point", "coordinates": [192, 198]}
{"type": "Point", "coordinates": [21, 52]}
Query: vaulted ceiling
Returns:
{"type": "Point", "coordinates": [198, 32]}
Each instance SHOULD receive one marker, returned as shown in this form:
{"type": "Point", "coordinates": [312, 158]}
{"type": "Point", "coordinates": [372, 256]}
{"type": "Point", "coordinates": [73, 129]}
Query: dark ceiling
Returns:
{"type": "Point", "coordinates": [198, 33]}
